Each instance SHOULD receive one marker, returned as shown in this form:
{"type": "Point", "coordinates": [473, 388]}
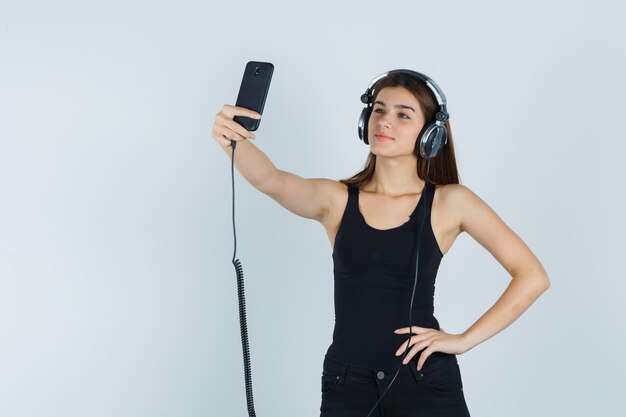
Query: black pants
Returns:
{"type": "Point", "coordinates": [434, 391]}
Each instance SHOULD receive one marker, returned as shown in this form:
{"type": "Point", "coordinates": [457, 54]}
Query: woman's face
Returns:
{"type": "Point", "coordinates": [394, 123]}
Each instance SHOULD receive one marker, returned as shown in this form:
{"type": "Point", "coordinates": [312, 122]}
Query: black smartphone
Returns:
{"type": "Point", "coordinates": [253, 92]}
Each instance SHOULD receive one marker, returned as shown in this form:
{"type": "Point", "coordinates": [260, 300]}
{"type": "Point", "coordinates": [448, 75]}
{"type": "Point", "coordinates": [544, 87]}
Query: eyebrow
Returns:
{"type": "Point", "coordinates": [397, 106]}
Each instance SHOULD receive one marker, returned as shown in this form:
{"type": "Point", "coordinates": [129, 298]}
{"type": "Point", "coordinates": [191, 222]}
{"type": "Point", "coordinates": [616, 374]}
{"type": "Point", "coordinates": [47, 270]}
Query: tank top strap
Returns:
{"type": "Point", "coordinates": [352, 204]}
{"type": "Point", "coordinates": [352, 198]}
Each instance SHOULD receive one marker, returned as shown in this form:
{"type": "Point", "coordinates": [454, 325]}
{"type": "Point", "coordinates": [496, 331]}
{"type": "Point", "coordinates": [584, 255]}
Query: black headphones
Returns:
{"type": "Point", "coordinates": [434, 135]}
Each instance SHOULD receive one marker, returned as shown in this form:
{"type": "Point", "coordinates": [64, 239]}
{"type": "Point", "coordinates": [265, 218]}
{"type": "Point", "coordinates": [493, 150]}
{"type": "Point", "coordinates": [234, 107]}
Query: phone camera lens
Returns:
{"type": "Point", "coordinates": [257, 70]}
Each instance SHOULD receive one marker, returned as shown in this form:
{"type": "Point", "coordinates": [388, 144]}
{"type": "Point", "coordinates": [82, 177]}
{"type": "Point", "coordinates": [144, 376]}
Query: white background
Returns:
{"type": "Point", "coordinates": [117, 291]}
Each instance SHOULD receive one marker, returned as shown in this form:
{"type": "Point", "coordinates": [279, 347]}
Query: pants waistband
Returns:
{"type": "Point", "coordinates": [341, 368]}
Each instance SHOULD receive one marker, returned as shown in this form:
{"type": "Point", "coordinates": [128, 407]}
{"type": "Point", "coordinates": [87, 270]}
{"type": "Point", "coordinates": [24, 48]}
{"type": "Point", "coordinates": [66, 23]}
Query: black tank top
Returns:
{"type": "Point", "coordinates": [374, 273]}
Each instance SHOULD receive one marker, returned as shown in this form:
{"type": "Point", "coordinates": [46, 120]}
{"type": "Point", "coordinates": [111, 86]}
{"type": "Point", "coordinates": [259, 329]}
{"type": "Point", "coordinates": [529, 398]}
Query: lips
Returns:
{"type": "Point", "coordinates": [382, 137]}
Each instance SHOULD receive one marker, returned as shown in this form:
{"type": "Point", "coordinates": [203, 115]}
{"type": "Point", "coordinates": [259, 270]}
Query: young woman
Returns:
{"type": "Point", "coordinates": [373, 221]}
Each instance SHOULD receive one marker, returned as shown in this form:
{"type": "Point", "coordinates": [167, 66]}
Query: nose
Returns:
{"type": "Point", "coordinates": [383, 121]}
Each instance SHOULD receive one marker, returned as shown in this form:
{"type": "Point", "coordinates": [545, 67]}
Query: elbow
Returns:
{"type": "Point", "coordinates": [537, 282]}
{"type": "Point", "coordinates": [544, 283]}
{"type": "Point", "coordinates": [537, 277]}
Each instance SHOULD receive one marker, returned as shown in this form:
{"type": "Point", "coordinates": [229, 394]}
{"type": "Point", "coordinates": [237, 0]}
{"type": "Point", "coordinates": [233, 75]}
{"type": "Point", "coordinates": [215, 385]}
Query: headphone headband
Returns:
{"type": "Point", "coordinates": [437, 92]}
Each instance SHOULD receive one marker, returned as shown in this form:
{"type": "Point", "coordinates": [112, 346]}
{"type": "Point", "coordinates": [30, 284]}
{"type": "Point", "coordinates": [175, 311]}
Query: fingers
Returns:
{"type": "Point", "coordinates": [225, 135]}
{"type": "Point", "coordinates": [409, 342]}
{"type": "Point", "coordinates": [416, 348]}
{"type": "Point", "coordinates": [426, 346]}
{"type": "Point", "coordinates": [425, 354]}
{"type": "Point", "coordinates": [424, 338]}
{"type": "Point", "coordinates": [226, 129]}
{"type": "Point", "coordinates": [232, 111]}
{"type": "Point", "coordinates": [402, 348]}
{"type": "Point", "coordinates": [236, 128]}
{"type": "Point", "coordinates": [412, 339]}
{"type": "Point", "coordinates": [419, 341]}
{"type": "Point", "coordinates": [415, 329]}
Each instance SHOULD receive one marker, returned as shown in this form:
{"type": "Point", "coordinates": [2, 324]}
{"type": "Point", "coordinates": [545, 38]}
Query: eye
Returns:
{"type": "Point", "coordinates": [381, 110]}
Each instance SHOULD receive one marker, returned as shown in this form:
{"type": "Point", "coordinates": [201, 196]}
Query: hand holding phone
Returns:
{"type": "Point", "coordinates": [225, 130]}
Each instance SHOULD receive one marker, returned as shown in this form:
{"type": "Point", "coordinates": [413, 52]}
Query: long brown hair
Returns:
{"type": "Point", "coordinates": [443, 169]}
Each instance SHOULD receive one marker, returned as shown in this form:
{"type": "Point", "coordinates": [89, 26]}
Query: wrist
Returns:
{"type": "Point", "coordinates": [467, 341]}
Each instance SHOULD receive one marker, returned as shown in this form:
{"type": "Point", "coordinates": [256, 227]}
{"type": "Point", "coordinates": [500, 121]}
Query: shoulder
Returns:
{"type": "Point", "coordinates": [459, 201]}
{"type": "Point", "coordinates": [454, 194]}
{"type": "Point", "coordinates": [454, 191]}
{"type": "Point", "coordinates": [471, 213]}
{"type": "Point", "coordinates": [332, 187]}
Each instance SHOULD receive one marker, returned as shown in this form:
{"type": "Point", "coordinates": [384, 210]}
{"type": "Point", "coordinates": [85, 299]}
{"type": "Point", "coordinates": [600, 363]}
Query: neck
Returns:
{"type": "Point", "coordinates": [395, 176]}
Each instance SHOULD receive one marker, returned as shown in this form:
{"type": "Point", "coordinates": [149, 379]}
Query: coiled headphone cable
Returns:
{"type": "Point", "coordinates": [242, 300]}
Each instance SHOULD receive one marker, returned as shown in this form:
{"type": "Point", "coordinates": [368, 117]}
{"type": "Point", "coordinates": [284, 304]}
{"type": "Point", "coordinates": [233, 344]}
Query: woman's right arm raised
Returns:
{"type": "Point", "coordinates": [309, 198]}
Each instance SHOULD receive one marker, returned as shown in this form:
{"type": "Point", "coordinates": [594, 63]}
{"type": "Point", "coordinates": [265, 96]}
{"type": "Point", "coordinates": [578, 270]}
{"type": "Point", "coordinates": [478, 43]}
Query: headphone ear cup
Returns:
{"type": "Point", "coordinates": [432, 140]}
{"type": "Point", "coordinates": [363, 121]}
